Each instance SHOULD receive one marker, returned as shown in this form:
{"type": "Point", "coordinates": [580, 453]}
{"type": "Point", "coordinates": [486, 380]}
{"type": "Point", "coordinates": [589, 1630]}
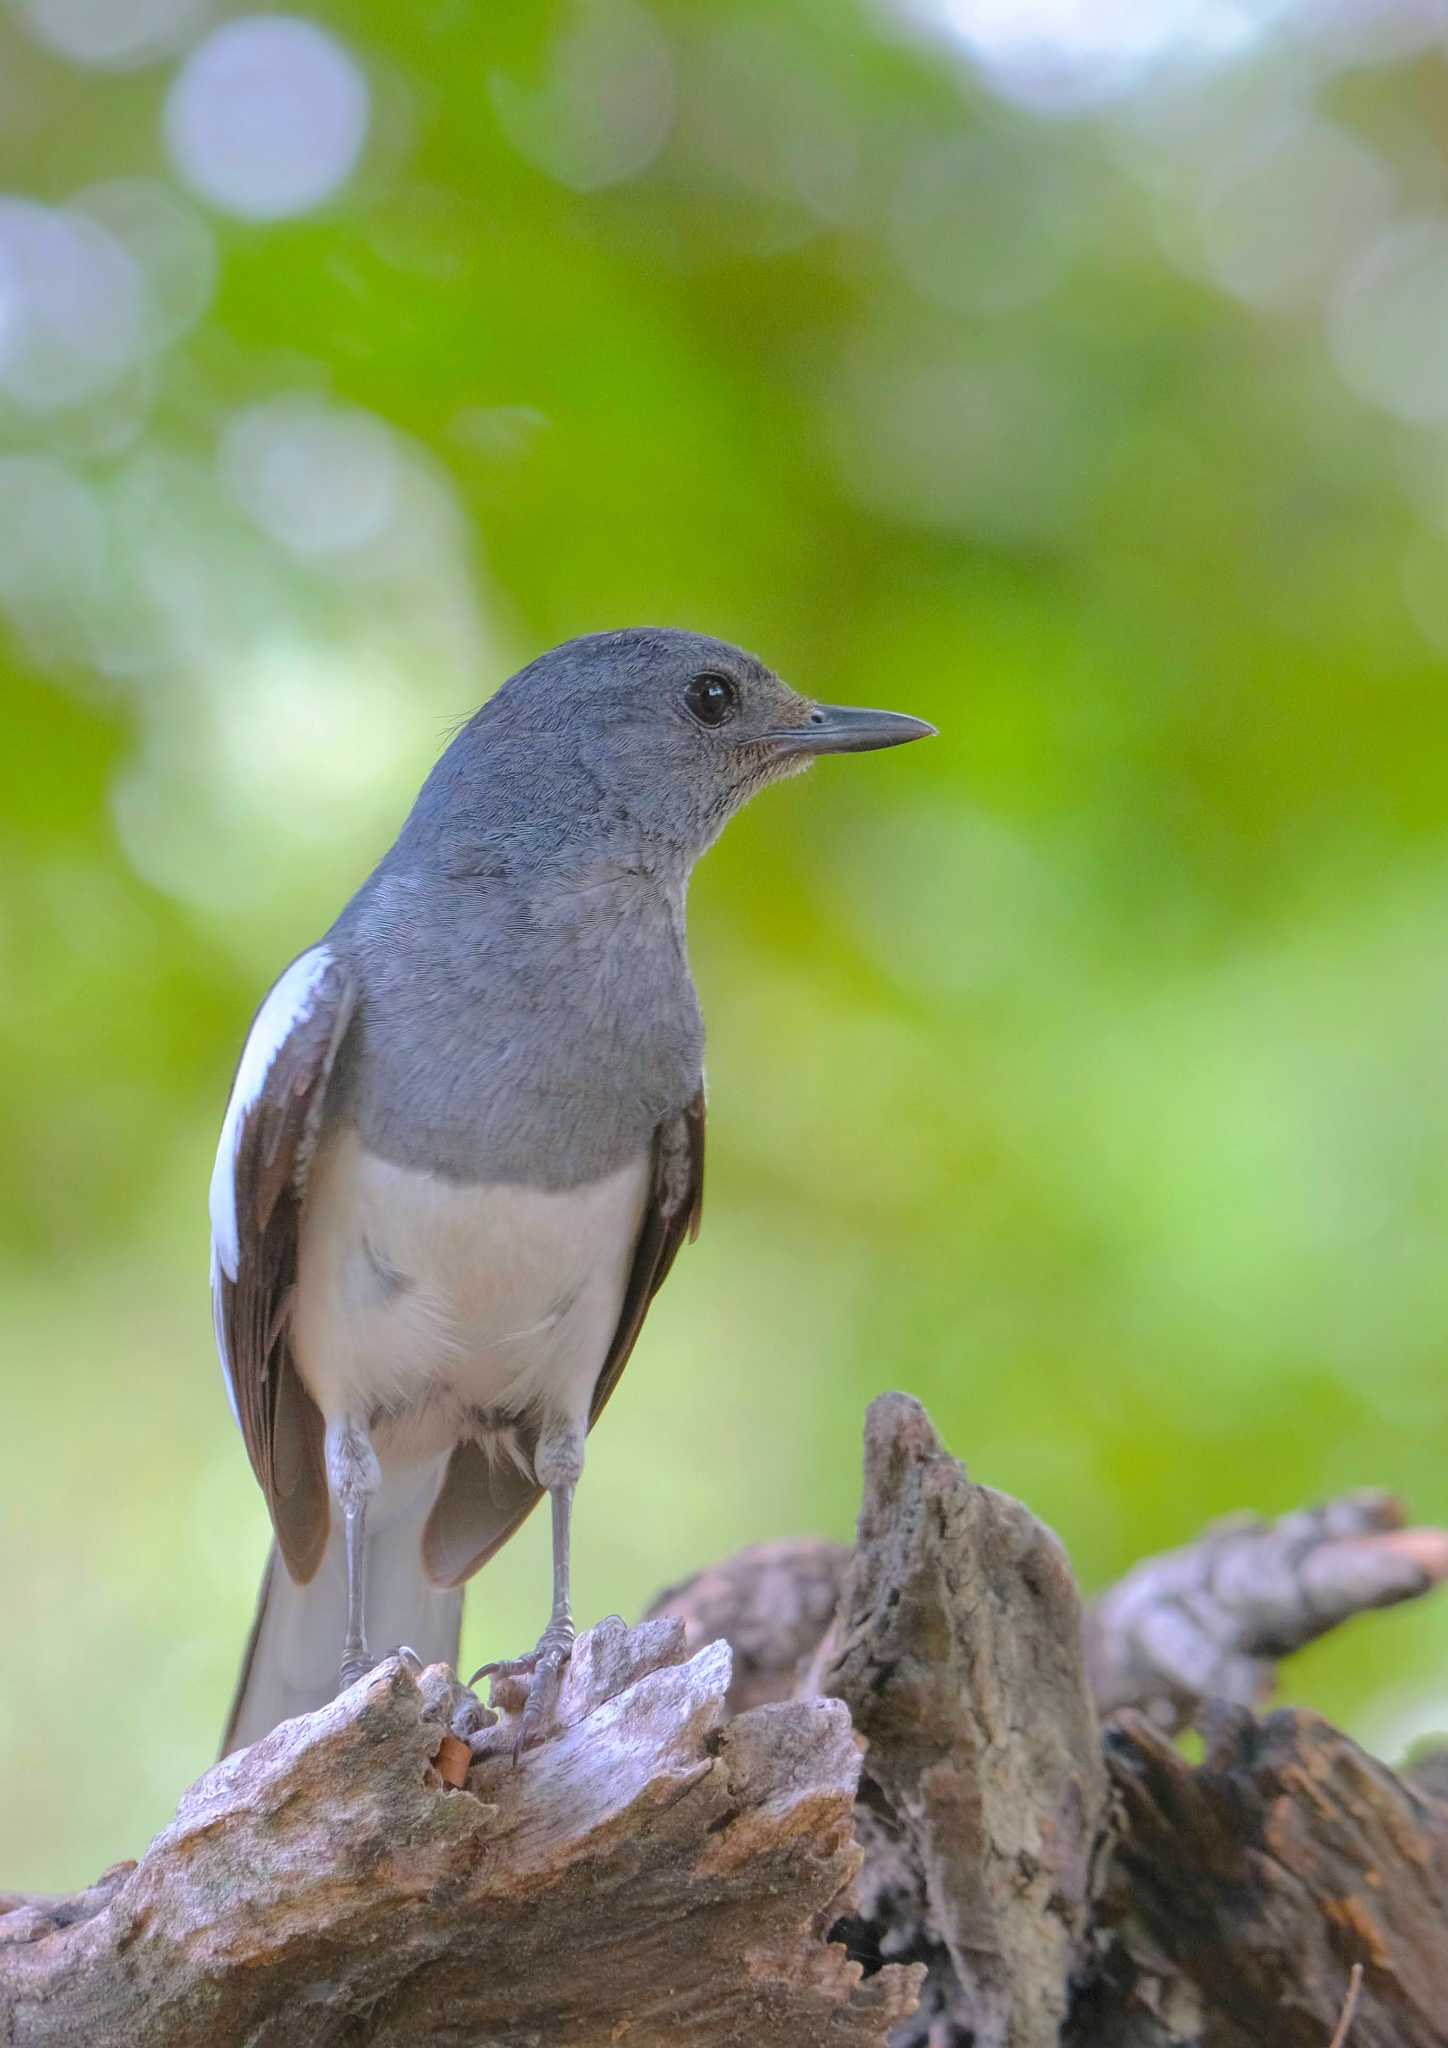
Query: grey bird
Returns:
{"type": "Point", "coordinates": [465, 1140]}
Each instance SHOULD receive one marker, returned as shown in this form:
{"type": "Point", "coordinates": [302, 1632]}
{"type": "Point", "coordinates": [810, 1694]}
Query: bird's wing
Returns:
{"type": "Point", "coordinates": [483, 1500]}
{"type": "Point", "coordinates": [267, 1142]}
{"type": "Point", "coordinates": [676, 1205]}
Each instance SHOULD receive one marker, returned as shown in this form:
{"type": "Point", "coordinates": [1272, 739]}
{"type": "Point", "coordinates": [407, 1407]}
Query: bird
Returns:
{"type": "Point", "coordinates": [464, 1142]}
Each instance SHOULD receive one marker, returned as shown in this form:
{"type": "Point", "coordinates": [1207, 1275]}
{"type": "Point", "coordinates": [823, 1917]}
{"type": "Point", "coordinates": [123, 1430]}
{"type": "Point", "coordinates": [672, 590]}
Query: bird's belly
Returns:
{"type": "Point", "coordinates": [421, 1301]}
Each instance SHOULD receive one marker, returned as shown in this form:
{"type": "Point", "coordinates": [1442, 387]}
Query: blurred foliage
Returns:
{"type": "Point", "coordinates": [1082, 1073]}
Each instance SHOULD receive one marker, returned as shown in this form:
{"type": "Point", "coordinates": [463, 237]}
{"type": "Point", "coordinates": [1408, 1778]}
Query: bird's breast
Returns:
{"type": "Point", "coordinates": [421, 1301]}
{"type": "Point", "coordinates": [542, 1045]}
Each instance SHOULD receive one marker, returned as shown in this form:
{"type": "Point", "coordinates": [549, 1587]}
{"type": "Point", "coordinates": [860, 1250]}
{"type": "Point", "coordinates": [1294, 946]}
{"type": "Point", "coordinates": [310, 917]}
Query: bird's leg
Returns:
{"type": "Point", "coordinates": [560, 1633]}
{"type": "Point", "coordinates": [557, 1463]}
{"type": "Point", "coordinates": [354, 1476]}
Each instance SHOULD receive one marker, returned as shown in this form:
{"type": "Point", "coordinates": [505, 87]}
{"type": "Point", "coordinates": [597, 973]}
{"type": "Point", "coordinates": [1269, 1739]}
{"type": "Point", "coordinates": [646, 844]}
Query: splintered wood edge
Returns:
{"type": "Point", "coordinates": [453, 1761]}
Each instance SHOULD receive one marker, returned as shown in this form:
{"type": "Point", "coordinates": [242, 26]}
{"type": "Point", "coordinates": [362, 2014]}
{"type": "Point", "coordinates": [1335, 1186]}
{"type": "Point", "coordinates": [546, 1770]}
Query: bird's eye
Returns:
{"type": "Point", "coordinates": [711, 699]}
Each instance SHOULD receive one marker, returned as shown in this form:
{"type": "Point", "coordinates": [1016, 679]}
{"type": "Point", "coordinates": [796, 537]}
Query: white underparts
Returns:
{"type": "Point", "coordinates": [424, 1304]}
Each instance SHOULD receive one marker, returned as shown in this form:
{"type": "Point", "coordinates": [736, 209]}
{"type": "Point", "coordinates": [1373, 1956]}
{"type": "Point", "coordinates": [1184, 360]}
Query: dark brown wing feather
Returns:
{"type": "Point", "coordinates": [673, 1214]}
{"type": "Point", "coordinates": [280, 1423]}
{"type": "Point", "coordinates": [483, 1501]}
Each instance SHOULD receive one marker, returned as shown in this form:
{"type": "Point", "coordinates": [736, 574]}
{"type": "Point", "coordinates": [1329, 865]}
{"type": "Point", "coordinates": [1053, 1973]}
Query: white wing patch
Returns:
{"type": "Point", "coordinates": [228, 1378]}
{"type": "Point", "coordinates": [278, 1017]}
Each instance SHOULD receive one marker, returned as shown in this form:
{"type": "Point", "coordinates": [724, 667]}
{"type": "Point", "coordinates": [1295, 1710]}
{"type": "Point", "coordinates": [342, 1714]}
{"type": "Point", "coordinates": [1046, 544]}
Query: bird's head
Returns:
{"type": "Point", "coordinates": [676, 730]}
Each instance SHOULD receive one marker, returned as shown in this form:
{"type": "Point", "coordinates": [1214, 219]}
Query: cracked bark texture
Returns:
{"type": "Point", "coordinates": [649, 1869]}
{"type": "Point", "coordinates": [1237, 1894]}
{"type": "Point", "coordinates": [1108, 1907]}
{"type": "Point", "coordinates": [957, 1649]}
{"type": "Point", "coordinates": [893, 1788]}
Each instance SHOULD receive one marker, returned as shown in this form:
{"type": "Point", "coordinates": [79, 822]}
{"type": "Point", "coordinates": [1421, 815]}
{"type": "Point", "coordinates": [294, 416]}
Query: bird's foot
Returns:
{"type": "Point", "coordinates": [470, 1720]}
{"type": "Point", "coordinates": [446, 1698]}
{"type": "Point", "coordinates": [542, 1667]}
{"type": "Point", "coordinates": [357, 1664]}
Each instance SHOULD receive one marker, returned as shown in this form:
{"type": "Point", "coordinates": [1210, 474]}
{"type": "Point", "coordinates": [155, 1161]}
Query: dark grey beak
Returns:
{"type": "Point", "coordinates": [844, 729]}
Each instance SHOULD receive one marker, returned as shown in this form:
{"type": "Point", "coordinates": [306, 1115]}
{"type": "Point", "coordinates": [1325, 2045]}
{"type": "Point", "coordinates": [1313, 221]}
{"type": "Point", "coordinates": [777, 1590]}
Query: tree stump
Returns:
{"type": "Point", "coordinates": [818, 1798]}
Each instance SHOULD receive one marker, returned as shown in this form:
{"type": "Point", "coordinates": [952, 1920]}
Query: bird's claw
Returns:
{"type": "Point", "coordinates": [542, 1667]}
{"type": "Point", "coordinates": [447, 1700]}
{"type": "Point", "coordinates": [356, 1667]}
{"type": "Point", "coordinates": [470, 1720]}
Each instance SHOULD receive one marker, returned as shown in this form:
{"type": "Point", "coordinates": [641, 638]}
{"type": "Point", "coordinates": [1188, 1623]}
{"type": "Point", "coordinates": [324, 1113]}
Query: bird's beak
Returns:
{"type": "Point", "coordinates": [845, 729]}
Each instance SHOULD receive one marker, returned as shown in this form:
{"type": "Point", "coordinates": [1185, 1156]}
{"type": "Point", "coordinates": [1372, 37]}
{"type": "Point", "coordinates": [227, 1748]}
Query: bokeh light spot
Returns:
{"type": "Point", "coordinates": [170, 245]}
{"type": "Point", "coordinates": [984, 446]}
{"type": "Point", "coordinates": [1389, 322]}
{"type": "Point", "coordinates": [983, 224]}
{"type": "Point", "coordinates": [115, 34]}
{"type": "Point", "coordinates": [606, 107]}
{"type": "Point", "coordinates": [1372, 31]}
{"type": "Point", "coordinates": [1289, 207]}
{"type": "Point", "coordinates": [71, 307]}
{"type": "Point", "coordinates": [267, 118]}
{"type": "Point", "coordinates": [1063, 56]}
{"type": "Point", "coordinates": [321, 480]}
{"type": "Point", "coordinates": [764, 117]}
{"type": "Point", "coordinates": [52, 554]}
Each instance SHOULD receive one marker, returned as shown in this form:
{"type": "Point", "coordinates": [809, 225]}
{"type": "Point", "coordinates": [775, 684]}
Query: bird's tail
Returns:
{"type": "Point", "coordinates": [290, 1665]}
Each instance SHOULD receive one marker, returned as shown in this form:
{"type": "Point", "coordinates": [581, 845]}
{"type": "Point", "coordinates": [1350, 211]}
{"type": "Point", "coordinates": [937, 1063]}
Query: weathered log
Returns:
{"type": "Point", "coordinates": [650, 1868]}
{"type": "Point", "coordinates": [772, 1604]}
{"type": "Point", "coordinates": [657, 1868]}
{"type": "Point", "coordinates": [955, 1646]}
{"type": "Point", "coordinates": [1214, 1620]}
{"type": "Point", "coordinates": [1211, 1621]}
{"type": "Point", "coordinates": [1237, 1894]}
{"type": "Point", "coordinates": [958, 1652]}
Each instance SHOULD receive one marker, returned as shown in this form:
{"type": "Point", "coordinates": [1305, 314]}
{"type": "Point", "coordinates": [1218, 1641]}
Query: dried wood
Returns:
{"type": "Point", "coordinates": [953, 1642]}
{"type": "Point", "coordinates": [1214, 1620]}
{"type": "Point", "coordinates": [1211, 1621]}
{"type": "Point", "coordinates": [957, 1651]}
{"type": "Point", "coordinates": [648, 1870]}
{"type": "Point", "coordinates": [1238, 1894]}
{"type": "Point", "coordinates": [894, 1787]}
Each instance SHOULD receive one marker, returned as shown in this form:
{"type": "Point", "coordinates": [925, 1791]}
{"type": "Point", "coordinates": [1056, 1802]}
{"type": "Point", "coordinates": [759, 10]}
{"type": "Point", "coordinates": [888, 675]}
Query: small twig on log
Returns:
{"type": "Point", "coordinates": [1349, 2007]}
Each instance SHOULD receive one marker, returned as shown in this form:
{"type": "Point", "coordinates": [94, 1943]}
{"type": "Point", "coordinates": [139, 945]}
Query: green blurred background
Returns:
{"type": "Point", "coordinates": [1070, 372]}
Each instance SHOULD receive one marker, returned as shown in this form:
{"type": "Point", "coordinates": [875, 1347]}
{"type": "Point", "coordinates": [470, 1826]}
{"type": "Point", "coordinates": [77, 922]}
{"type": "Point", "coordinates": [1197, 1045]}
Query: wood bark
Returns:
{"type": "Point", "coordinates": [1236, 1895]}
{"type": "Point", "coordinates": [821, 1796]}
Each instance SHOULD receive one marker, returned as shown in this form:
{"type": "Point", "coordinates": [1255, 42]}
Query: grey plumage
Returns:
{"type": "Point", "coordinates": [549, 878]}
{"type": "Point", "coordinates": [466, 1137]}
